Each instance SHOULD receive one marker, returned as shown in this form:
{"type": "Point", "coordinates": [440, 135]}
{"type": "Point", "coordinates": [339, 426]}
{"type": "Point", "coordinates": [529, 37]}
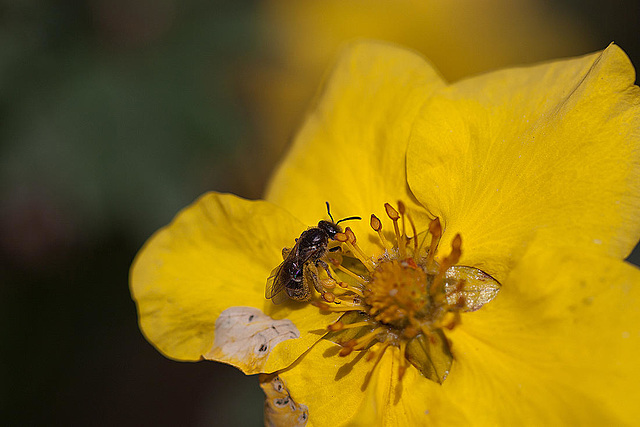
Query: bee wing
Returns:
{"type": "Point", "coordinates": [276, 284]}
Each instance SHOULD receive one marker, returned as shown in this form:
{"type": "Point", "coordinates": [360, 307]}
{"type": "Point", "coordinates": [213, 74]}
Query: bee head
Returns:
{"type": "Point", "coordinates": [330, 228]}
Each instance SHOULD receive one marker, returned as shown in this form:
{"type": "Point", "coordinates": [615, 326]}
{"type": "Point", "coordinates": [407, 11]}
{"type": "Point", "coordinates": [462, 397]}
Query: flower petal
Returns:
{"type": "Point", "coordinates": [366, 393]}
{"type": "Point", "coordinates": [351, 149]}
{"type": "Point", "coordinates": [551, 149]}
{"type": "Point", "coordinates": [558, 345]}
{"type": "Point", "coordinates": [215, 257]}
{"type": "Point", "coordinates": [333, 387]}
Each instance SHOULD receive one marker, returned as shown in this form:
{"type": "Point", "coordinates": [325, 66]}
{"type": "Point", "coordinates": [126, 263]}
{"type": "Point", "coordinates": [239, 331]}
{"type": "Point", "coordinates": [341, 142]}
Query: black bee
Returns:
{"type": "Point", "coordinates": [298, 273]}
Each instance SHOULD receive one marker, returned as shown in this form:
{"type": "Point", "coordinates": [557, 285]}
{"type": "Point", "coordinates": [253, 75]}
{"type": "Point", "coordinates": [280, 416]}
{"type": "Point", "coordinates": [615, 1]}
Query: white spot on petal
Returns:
{"type": "Point", "coordinates": [244, 337]}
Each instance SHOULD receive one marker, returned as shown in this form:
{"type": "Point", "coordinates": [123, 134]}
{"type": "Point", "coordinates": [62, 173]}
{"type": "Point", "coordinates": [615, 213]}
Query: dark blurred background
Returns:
{"type": "Point", "coordinates": [116, 114]}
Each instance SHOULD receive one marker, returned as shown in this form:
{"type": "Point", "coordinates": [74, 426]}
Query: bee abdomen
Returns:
{"type": "Point", "coordinates": [297, 291]}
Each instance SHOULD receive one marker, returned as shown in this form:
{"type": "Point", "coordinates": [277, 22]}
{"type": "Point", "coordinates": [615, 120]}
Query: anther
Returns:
{"type": "Point", "coordinates": [341, 237]}
{"type": "Point", "coordinates": [335, 326]}
{"type": "Point", "coordinates": [328, 297]}
{"type": "Point", "coordinates": [355, 249]}
{"type": "Point", "coordinates": [338, 326]}
{"type": "Point", "coordinates": [347, 348]}
{"type": "Point", "coordinates": [345, 351]}
{"type": "Point", "coordinates": [456, 250]}
{"type": "Point", "coordinates": [455, 254]}
{"type": "Point", "coordinates": [447, 262]}
{"type": "Point", "coordinates": [351, 237]}
{"type": "Point", "coordinates": [394, 215]}
{"type": "Point", "coordinates": [401, 207]}
{"type": "Point", "coordinates": [391, 212]}
{"type": "Point", "coordinates": [376, 224]}
{"type": "Point", "coordinates": [365, 340]}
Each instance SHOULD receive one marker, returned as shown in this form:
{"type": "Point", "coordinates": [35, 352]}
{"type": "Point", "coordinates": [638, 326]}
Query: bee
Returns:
{"type": "Point", "coordinates": [298, 273]}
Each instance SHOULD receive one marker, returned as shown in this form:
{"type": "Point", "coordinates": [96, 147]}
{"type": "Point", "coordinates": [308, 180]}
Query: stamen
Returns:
{"type": "Point", "coordinates": [338, 326]}
{"type": "Point", "coordinates": [350, 301]}
{"type": "Point", "coordinates": [402, 210]}
{"type": "Point", "coordinates": [341, 308]}
{"type": "Point", "coordinates": [447, 262]}
{"type": "Point", "coordinates": [376, 224]}
{"type": "Point", "coordinates": [353, 289]}
{"type": "Point", "coordinates": [360, 343]}
{"type": "Point", "coordinates": [379, 353]}
{"type": "Point", "coordinates": [349, 238]}
{"type": "Point", "coordinates": [435, 229]}
{"type": "Point", "coordinates": [346, 349]}
{"type": "Point", "coordinates": [334, 309]}
{"type": "Point", "coordinates": [365, 340]}
{"type": "Point", "coordinates": [350, 273]}
{"type": "Point", "coordinates": [415, 235]}
{"type": "Point", "coordinates": [394, 215]}
{"type": "Point", "coordinates": [330, 282]}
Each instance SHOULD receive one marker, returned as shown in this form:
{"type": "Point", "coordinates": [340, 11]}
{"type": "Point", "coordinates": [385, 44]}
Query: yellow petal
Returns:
{"type": "Point", "coordinates": [550, 150]}
{"type": "Point", "coordinates": [353, 391]}
{"type": "Point", "coordinates": [216, 255]}
{"type": "Point", "coordinates": [558, 346]}
{"type": "Point", "coordinates": [351, 149]}
{"type": "Point", "coordinates": [335, 389]}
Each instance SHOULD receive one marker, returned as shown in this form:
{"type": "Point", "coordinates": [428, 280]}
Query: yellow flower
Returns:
{"type": "Point", "coordinates": [534, 171]}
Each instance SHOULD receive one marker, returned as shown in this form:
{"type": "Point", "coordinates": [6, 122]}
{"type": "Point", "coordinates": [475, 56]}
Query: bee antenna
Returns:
{"type": "Point", "coordinates": [348, 219]}
{"type": "Point", "coordinates": [329, 212]}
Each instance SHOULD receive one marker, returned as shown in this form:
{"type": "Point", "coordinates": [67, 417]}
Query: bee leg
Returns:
{"type": "Point", "coordinates": [317, 283]}
{"type": "Point", "coordinates": [310, 279]}
{"type": "Point", "coordinates": [326, 268]}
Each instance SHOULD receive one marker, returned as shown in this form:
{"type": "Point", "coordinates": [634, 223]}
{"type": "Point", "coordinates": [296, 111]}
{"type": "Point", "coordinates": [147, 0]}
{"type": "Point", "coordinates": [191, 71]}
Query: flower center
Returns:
{"type": "Point", "coordinates": [397, 292]}
{"type": "Point", "coordinates": [404, 297]}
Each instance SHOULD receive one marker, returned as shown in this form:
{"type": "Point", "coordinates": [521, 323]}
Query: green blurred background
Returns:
{"type": "Point", "coordinates": [116, 114]}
